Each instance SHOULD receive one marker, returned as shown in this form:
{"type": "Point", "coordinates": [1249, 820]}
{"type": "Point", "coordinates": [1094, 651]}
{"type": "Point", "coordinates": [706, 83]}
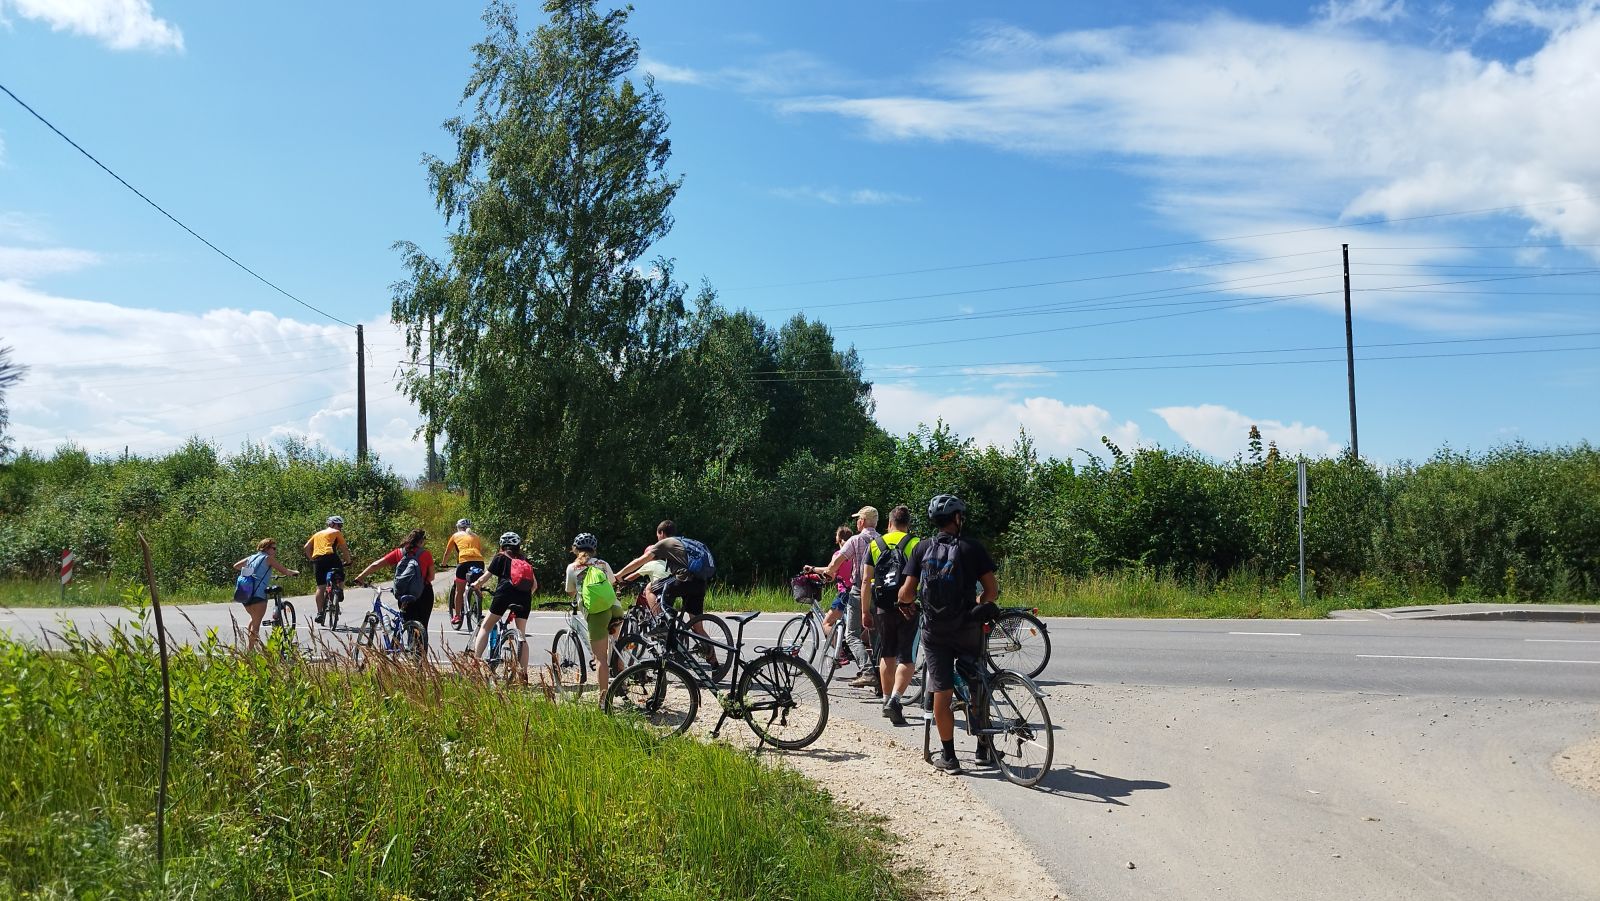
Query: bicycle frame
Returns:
{"type": "Point", "coordinates": [390, 623]}
{"type": "Point", "coordinates": [732, 707]}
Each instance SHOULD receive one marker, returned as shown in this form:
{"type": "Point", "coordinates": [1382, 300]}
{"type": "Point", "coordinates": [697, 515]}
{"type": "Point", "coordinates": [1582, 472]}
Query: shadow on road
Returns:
{"type": "Point", "coordinates": [1086, 785]}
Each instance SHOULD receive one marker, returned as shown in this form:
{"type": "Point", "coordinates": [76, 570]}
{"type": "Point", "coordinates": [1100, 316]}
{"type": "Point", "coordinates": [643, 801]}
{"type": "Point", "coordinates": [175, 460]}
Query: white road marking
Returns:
{"type": "Point", "coordinates": [1293, 634]}
{"type": "Point", "coordinates": [1566, 640]}
{"type": "Point", "coordinates": [1480, 659]}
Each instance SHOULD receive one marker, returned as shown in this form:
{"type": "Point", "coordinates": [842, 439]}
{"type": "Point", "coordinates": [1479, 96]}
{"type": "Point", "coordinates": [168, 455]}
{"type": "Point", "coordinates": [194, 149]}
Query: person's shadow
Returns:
{"type": "Point", "coordinates": [1086, 785]}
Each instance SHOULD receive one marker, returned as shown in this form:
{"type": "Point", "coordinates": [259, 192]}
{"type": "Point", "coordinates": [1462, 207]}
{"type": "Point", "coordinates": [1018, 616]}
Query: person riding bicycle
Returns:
{"type": "Point", "coordinates": [942, 576]}
{"type": "Point", "coordinates": [895, 626]}
{"type": "Point", "coordinates": [678, 585]}
{"type": "Point", "coordinates": [513, 594]}
{"type": "Point", "coordinates": [589, 581]}
{"type": "Point", "coordinates": [414, 600]}
{"type": "Point", "coordinates": [842, 580]}
{"type": "Point", "coordinates": [257, 570]}
{"type": "Point", "coordinates": [468, 546]}
{"type": "Point", "coordinates": [855, 551]}
{"type": "Point", "coordinates": [329, 555]}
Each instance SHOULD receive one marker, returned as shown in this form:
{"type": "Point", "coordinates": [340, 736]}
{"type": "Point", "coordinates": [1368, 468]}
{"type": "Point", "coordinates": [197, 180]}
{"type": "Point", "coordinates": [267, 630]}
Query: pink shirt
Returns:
{"type": "Point", "coordinates": [842, 576]}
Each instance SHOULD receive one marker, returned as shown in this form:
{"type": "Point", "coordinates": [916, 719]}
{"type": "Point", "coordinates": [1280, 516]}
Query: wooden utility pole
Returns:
{"type": "Point", "coordinates": [1350, 358]}
{"type": "Point", "coordinates": [361, 396]}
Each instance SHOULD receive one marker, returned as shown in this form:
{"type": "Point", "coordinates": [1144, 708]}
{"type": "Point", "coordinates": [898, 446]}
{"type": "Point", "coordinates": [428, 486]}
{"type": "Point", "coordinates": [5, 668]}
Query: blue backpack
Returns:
{"type": "Point", "coordinates": [408, 577]}
{"type": "Point", "coordinates": [699, 562]}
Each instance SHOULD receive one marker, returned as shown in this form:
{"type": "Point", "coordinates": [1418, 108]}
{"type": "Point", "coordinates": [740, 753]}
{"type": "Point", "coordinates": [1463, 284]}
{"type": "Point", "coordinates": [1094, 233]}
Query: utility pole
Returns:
{"type": "Point", "coordinates": [433, 456]}
{"type": "Point", "coordinates": [361, 396]}
{"type": "Point", "coordinates": [1350, 358]}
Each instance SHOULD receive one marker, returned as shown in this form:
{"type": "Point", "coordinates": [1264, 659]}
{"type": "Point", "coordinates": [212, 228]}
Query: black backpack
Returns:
{"type": "Point", "coordinates": [943, 589]}
{"type": "Point", "coordinates": [886, 572]}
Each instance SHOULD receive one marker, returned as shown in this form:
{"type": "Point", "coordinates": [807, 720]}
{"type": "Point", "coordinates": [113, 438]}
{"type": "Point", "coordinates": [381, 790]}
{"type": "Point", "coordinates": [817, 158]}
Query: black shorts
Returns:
{"type": "Point", "coordinates": [518, 605]}
{"type": "Point", "coordinates": [942, 644]}
{"type": "Point", "coordinates": [421, 608]}
{"type": "Point", "coordinates": [325, 564]}
{"type": "Point", "coordinates": [897, 635]}
{"type": "Point", "coordinates": [469, 571]}
{"type": "Point", "coordinates": [692, 592]}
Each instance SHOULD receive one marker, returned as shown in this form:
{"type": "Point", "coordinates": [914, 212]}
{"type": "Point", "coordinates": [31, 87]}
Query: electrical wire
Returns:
{"type": "Point", "coordinates": [225, 255]}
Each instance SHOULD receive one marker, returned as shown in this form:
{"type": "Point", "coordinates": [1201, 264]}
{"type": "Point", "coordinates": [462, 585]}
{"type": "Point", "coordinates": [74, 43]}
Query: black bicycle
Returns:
{"type": "Point", "coordinates": [780, 697]}
{"type": "Point", "coordinates": [330, 611]}
{"type": "Point", "coordinates": [471, 602]}
{"type": "Point", "coordinates": [1005, 709]}
{"type": "Point", "coordinates": [283, 616]}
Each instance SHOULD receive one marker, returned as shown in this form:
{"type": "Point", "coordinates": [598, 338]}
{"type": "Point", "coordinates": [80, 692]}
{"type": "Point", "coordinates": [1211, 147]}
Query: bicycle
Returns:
{"type": "Point", "coordinates": [283, 616]}
{"type": "Point", "coordinates": [1018, 639]}
{"type": "Point", "coordinates": [504, 650]}
{"type": "Point", "coordinates": [780, 697]}
{"type": "Point", "coordinates": [1011, 707]}
{"type": "Point", "coordinates": [471, 602]}
{"type": "Point", "coordinates": [330, 610]}
{"type": "Point", "coordinates": [807, 633]}
{"type": "Point", "coordinates": [399, 635]}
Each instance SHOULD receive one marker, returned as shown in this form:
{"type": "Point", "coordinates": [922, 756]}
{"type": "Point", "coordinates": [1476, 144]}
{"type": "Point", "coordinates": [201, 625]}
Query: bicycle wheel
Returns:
{"type": "Point", "coordinates": [508, 654]}
{"type": "Point", "coordinates": [286, 618]}
{"type": "Point", "coordinates": [630, 648]}
{"type": "Point", "coordinates": [1019, 729]}
{"type": "Point", "coordinates": [330, 613]}
{"type": "Point", "coordinates": [785, 701]}
{"type": "Point", "coordinates": [366, 638]}
{"type": "Point", "coordinates": [414, 640]}
{"type": "Point", "coordinates": [472, 616]}
{"type": "Point", "coordinates": [919, 679]}
{"type": "Point", "coordinates": [832, 648]}
{"type": "Point", "coordinates": [800, 632]}
{"type": "Point", "coordinates": [715, 659]}
{"type": "Point", "coordinates": [660, 693]}
{"type": "Point", "coordinates": [1019, 641]}
{"type": "Point", "coordinates": [569, 664]}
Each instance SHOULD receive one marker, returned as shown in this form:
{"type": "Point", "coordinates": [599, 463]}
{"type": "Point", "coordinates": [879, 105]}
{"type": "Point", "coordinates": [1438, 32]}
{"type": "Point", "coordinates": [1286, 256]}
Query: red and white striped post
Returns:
{"type": "Point", "coordinates": [66, 570]}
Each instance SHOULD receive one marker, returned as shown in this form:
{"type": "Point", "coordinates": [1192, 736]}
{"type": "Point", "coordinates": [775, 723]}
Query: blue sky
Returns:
{"type": "Point", "coordinates": [881, 166]}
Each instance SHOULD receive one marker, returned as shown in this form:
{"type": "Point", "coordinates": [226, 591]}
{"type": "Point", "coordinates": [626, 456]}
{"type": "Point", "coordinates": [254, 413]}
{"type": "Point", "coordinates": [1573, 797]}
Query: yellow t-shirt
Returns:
{"type": "Point", "coordinates": [328, 541]}
{"type": "Point", "coordinates": [469, 547]}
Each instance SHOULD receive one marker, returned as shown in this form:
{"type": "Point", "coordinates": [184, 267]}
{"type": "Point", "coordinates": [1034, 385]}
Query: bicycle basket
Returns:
{"type": "Point", "coordinates": [807, 587]}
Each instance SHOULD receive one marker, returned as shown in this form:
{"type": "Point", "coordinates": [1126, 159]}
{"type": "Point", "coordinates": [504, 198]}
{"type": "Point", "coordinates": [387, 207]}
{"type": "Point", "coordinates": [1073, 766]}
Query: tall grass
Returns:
{"type": "Point", "coordinates": [292, 781]}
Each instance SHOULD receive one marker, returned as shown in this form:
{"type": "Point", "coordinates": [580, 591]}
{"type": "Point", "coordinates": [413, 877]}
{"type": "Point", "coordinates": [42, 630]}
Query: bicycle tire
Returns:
{"type": "Point", "coordinates": [414, 640]}
{"type": "Point", "coordinates": [661, 694]}
{"type": "Point", "coordinates": [508, 654]}
{"type": "Point", "coordinates": [472, 617]}
{"type": "Point", "coordinates": [800, 632]}
{"type": "Point", "coordinates": [919, 681]}
{"type": "Point", "coordinates": [287, 621]}
{"type": "Point", "coordinates": [569, 665]}
{"type": "Point", "coordinates": [717, 660]}
{"type": "Point", "coordinates": [1018, 641]}
{"type": "Point", "coordinates": [1026, 748]}
{"type": "Point", "coordinates": [366, 638]}
{"type": "Point", "coordinates": [779, 693]}
{"type": "Point", "coordinates": [832, 647]}
{"type": "Point", "coordinates": [330, 613]}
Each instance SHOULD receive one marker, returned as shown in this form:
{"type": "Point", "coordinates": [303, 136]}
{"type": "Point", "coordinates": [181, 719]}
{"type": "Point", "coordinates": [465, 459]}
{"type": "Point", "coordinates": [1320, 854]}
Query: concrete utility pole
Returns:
{"type": "Point", "coordinates": [1350, 358]}
{"type": "Point", "coordinates": [361, 396]}
{"type": "Point", "coordinates": [1300, 518]}
{"type": "Point", "coordinates": [433, 455]}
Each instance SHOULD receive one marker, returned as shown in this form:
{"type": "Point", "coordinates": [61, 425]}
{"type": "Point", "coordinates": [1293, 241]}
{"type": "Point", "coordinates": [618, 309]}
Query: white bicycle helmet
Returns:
{"type": "Point", "coordinates": [336, 521]}
{"type": "Point", "coordinates": [463, 523]}
{"type": "Point", "coordinates": [511, 539]}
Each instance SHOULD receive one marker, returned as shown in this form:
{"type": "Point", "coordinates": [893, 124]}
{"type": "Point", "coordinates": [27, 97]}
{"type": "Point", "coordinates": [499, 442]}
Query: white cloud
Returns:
{"type": "Point", "coordinates": [1543, 16]}
{"type": "Point", "coordinates": [1345, 12]}
{"type": "Point", "coordinates": [106, 376]}
{"type": "Point", "coordinates": [1258, 127]}
{"type": "Point", "coordinates": [119, 24]}
{"type": "Point", "coordinates": [777, 73]}
{"type": "Point", "coordinates": [670, 74]}
{"type": "Point", "coordinates": [24, 264]}
{"type": "Point", "coordinates": [843, 197]}
{"type": "Point", "coordinates": [1222, 432]}
{"type": "Point", "coordinates": [1057, 428]}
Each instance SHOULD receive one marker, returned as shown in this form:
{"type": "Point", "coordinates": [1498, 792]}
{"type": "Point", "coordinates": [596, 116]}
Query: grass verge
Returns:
{"type": "Point", "coordinates": [295, 781]}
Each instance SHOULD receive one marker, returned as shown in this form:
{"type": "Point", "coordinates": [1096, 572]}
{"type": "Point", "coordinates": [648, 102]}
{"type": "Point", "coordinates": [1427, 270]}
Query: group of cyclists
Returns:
{"type": "Point", "coordinates": [893, 585]}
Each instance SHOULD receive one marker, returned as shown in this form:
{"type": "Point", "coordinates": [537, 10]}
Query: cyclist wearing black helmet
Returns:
{"type": "Point", "coordinates": [513, 595]}
{"type": "Point", "coordinates": [942, 576]}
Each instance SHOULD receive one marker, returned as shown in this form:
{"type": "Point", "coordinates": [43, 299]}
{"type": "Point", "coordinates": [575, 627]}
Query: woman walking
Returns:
{"type": "Point", "coordinates": [413, 578]}
{"type": "Point", "coordinates": [250, 589]}
{"type": "Point", "coordinates": [589, 582]}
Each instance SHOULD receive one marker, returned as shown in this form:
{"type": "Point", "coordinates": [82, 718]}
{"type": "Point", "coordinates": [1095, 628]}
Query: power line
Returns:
{"type": "Point", "coordinates": [76, 146]}
{"type": "Point", "coordinates": [1169, 244]}
{"type": "Point", "coordinates": [1243, 363]}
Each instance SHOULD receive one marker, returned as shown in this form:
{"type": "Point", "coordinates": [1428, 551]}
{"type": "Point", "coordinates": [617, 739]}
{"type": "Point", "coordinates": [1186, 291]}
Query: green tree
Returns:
{"type": "Point", "coordinates": [556, 342]}
{"type": "Point", "coordinates": [10, 374]}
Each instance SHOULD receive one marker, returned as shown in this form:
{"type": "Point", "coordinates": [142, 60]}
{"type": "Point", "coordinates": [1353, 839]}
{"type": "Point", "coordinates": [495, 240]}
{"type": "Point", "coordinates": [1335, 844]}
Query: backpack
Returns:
{"type": "Point", "coordinates": [521, 573]}
{"type": "Point", "coordinates": [596, 591]}
{"type": "Point", "coordinates": [700, 564]}
{"type": "Point", "coordinates": [251, 576]}
{"type": "Point", "coordinates": [408, 576]}
{"type": "Point", "coordinates": [943, 589]}
{"type": "Point", "coordinates": [886, 572]}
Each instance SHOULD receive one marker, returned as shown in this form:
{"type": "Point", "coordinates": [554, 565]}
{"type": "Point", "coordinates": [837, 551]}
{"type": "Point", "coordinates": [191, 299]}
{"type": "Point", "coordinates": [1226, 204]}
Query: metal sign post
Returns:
{"type": "Point", "coordinates": [1300, 515]}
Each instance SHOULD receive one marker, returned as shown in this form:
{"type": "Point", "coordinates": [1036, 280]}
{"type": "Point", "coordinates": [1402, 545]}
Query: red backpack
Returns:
{"type": "Point", "coordinates": [521, 573]}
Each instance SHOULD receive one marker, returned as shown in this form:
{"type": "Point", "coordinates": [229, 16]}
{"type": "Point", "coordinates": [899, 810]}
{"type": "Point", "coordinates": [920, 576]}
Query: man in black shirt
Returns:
{"type": "Point", "coordinates": [943, 575]}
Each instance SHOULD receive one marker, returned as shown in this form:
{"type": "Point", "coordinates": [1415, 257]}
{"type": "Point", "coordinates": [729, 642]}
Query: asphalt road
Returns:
{"type": "Point", "coordinates": [1265, 759]}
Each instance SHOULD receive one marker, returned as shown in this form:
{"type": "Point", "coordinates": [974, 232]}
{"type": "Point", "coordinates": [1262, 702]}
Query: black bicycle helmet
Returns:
{"type": "Point", "coordinates": [586, 542]}
{"type": "Point", "coordinates": [511, 539]}
{"type": "Point", "coordinates": [944, 506]}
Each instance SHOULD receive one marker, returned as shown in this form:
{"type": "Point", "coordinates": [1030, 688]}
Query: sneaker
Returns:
{"type": "Point", "coordinates": [319, 619]}
{"type": "Point", "coordinates": [865, 680]}
{"type": "Point", "coordinates": [985, 756]}
{"type": "Point", "coordinates": [455, 620]}
{"type": "Point", "coordinates": [895, 713]}
{"type": "Point", "coordinates": [946, 764]}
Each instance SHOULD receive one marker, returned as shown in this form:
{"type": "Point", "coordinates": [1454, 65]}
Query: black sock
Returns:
{"type": "Point", "coordinates": [949, 747]}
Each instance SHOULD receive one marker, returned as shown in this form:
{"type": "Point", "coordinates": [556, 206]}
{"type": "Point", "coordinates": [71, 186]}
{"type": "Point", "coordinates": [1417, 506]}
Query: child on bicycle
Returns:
{"type": "Point", "coordinates": [259, 568]}
{"type": "Point", "coordinates": [842, 580]}
{"type": "Point", "coordinates": [589, 583]}
{"type": "Point", "coordinates": [513, 595]}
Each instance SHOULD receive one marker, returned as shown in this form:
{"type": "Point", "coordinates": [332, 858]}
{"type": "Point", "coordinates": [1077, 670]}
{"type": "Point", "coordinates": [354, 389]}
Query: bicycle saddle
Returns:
{"type": "Point", "coordinates": [742, 618]}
